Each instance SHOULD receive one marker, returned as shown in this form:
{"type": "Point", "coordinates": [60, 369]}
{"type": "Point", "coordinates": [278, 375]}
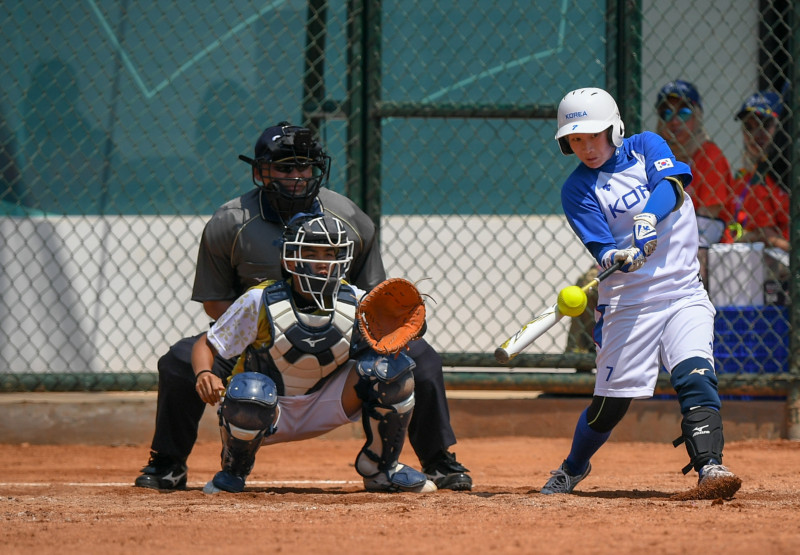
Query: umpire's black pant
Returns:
{"type": "Point", "coordinates": [179, 408]}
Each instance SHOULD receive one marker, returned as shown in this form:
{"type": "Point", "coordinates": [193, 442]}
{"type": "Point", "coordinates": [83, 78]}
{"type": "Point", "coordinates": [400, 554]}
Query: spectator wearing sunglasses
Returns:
{"type": "Point", "coordinates": [680, 123]}
{"type": "Point", "coordinates": [759, 207]}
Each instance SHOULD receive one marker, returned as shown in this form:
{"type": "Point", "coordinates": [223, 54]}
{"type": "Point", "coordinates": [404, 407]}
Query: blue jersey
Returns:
{"type": "Point", "coordinates": [600, 205]}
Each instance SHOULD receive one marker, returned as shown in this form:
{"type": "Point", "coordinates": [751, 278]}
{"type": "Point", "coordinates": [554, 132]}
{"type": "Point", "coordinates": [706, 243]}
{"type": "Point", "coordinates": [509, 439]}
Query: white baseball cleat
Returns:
{"type": "Point", "coordinates": [713, 472]}
{"type": "Point", "coordinates": [210, 488]}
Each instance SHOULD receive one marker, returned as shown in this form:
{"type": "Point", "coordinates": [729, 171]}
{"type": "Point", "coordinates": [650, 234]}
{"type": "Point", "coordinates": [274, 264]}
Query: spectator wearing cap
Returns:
{"type": "Point", "coordinates": [680, 123]}
{"type": "Point", "coordinates": [759, 206]}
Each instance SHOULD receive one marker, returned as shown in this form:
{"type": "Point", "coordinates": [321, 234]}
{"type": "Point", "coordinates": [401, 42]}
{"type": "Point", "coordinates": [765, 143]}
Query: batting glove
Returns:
{"type": "Point", "coordinates": [645, 237]}
{"type": "Point", "coordinates": [632, 259]}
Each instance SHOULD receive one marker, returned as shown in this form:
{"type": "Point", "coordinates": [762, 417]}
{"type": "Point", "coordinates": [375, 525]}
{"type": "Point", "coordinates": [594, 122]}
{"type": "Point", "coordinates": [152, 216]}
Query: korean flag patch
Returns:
{"type": "Point", "coordinates": [663, 164]}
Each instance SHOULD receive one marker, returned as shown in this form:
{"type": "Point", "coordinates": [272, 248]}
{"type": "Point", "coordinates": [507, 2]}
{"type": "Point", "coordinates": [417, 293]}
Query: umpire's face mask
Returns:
{"type": "Point", "coordinates": [291, 185]}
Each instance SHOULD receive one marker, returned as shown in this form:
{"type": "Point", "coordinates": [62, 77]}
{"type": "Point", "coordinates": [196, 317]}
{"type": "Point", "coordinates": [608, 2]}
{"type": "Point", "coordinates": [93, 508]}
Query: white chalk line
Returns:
{"type": "Point", "coordinates": [261, 483]}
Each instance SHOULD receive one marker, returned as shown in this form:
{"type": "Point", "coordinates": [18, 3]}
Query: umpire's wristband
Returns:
{"type": "Point", "coordinates": [200, 373]}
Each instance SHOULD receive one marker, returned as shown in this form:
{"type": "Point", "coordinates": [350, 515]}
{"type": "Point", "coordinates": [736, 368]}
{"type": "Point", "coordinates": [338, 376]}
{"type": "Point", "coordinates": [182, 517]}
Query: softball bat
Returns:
{"type": "Point", "coordinates": [531, 331]}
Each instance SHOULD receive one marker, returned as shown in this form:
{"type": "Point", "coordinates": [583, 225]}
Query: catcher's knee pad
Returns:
{"type": "Point", "coordinates": [702, 432]}
{"type": "Point", "coordinates": [383, 369]}
{"type": "Point", "coordinates": [695, 382]}
{"type": "Point", "coordinates": [604, 413]}
{"type": "Point", "coordinates": [247, 415]}
{"type": "Point", "coordinates": [386, 390]}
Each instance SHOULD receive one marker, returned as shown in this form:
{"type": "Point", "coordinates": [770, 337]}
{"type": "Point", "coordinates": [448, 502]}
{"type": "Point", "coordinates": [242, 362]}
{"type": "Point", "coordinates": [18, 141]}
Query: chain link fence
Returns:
{"type": "Point", "coordinates": [122, 122]}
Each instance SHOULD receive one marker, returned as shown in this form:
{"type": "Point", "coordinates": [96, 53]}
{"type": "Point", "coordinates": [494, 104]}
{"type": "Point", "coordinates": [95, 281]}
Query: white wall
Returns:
{"type": "Point", "coordinates": [111, 294]}
{"type": "Point", "coordinates": [712, 44]}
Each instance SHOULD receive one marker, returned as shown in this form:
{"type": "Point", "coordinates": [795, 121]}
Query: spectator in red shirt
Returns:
{"type": "Point", "coordinates": [759, 207]}
{"type": "Point", "coordinates": [680, 123]}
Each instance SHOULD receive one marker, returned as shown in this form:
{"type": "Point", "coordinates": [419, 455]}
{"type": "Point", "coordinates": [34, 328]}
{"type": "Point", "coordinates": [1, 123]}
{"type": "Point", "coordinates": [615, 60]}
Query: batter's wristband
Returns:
{"type": "Point", "coordinates": [200, 373]}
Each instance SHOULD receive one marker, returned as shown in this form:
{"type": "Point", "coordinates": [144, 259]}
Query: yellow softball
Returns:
{"type": "Point", "coordinates": [572, 301]}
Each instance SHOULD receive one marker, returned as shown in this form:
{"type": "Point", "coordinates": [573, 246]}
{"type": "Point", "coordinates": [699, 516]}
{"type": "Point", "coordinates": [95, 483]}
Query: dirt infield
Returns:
{"type": "Point", "coordinates": [306, 498]}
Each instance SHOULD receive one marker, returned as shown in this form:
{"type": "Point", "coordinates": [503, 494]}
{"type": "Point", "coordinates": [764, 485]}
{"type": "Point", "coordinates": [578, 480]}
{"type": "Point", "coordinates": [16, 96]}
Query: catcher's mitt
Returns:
{"type": "Point", "coordinates": [391, 315]}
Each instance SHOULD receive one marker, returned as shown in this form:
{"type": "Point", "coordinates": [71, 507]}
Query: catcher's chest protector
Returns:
{"type": "Point", "coordinates": [308, 347]}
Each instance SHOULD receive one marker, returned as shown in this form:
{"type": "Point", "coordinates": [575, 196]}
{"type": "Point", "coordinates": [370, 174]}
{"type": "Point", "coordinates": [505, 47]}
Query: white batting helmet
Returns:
{"type": "Point", "coordinates": [588, 110]}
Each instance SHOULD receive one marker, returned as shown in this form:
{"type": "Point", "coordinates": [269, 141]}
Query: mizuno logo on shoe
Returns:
{"type": "Point", "coordinates": [171, 478]}
{"type": "Point", "coordinates": [700, 430]}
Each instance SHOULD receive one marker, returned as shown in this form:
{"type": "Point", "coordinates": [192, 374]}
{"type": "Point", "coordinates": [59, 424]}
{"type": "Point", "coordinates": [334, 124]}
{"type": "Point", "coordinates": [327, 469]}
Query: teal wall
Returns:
{"type": "Point", "coordinates": [142, 107]}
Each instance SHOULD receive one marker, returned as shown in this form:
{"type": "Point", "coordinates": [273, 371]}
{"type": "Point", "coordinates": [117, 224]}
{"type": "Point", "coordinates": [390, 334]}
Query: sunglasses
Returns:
{"type": "Point", "coordinates": [289, 168]}
{"type": "Point", "coordinates": [684, 114]}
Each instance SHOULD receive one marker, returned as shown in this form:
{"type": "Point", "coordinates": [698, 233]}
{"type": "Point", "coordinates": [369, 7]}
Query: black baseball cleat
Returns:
{"type": "Point", "coordinates": [447, 473]}
{"type": "Point", "coordinates": [162, 472]}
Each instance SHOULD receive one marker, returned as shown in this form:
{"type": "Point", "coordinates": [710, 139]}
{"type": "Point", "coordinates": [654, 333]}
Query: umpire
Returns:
{"type": "Point", "coordinates": [239, 249]}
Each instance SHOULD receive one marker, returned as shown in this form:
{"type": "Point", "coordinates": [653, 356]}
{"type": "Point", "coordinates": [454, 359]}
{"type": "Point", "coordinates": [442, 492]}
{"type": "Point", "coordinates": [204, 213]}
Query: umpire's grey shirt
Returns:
{"type": "Point", "coordinates": [240, 246]}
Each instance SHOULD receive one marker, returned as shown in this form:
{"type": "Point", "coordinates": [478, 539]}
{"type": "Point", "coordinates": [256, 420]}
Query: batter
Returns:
{"type": "Point", "coordinates": [625, 202]}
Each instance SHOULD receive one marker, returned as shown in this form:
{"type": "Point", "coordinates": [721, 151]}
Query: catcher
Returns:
{"type": "Point", "coordinates": [311, 359]}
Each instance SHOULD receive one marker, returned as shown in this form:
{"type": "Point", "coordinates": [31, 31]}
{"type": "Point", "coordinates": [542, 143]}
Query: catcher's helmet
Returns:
{"type": "Point", "coordinates": [318, 276]}
{"type": "Point", "coordinates": [284, 147]}
{"type": "Point", "coordinates": [588, 111]}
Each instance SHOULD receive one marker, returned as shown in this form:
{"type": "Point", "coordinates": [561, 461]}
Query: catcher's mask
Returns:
{"type": "Point", "coordinates": [317, 253]}
{"type": "Point", "coordinates": [281, 153]}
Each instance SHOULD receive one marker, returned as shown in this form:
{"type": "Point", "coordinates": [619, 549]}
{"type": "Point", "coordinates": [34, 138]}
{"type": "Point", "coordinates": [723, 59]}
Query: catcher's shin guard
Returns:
{"type": "Point", "coordinates": [702, 433]}
{"type": "Point", "coordinates": [238, 458]}
{"type": "Point", "coordinates": [386, 389]}
{"type": "Point", "coordinates": [247, 415]}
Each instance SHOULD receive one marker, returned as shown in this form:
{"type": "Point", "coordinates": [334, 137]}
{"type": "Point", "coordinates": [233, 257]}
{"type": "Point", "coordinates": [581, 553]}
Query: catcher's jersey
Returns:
{"type": "Point", "coordinates": [294, 348]}
{"type": "Point", "coordinates": [600, 205]}
{"type": "Point", "coordinates": [240, 246]}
